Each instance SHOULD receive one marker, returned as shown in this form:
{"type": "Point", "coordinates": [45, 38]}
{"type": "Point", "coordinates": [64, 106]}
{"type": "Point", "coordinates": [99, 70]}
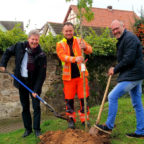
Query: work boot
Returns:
{"type": "Point", "coordinates": [27, 133]}
{"type": "Point", "coordinates": [88, 124]}
{"type": "Point", "coordinates": [71, 124]}
{"type": "Point", "coordinates": [134, 135]}
{"type": "Point", "coordinates": [37, 133]}
{"type": "Point", "coordinates": [103, 128]}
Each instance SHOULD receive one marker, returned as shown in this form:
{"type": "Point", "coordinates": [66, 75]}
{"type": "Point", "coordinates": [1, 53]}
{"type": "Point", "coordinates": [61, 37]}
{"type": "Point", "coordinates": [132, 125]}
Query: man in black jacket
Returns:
{"type": "Point", "coordinates": [30, 68]}
{"type": "Point", "coordinates": [131, 73]}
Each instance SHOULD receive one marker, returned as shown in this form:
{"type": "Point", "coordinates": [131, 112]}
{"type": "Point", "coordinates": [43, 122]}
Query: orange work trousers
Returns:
{"type": "Point", "coordinates": [71, 88]}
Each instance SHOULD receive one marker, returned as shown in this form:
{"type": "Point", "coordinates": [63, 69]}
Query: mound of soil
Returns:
{"type": "Point", "coordinates": [71, 136]}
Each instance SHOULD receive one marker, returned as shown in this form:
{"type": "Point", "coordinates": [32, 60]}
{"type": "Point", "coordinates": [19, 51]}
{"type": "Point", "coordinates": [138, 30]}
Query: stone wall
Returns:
{"type": "Point", "coordinates": [52, 90]}
{"type": "Point", "coordinates": [9, 97]}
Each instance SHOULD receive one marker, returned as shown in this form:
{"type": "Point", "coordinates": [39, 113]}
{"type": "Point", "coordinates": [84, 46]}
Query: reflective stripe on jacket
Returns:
{"type": "Point", "coordinates": [63, 52]}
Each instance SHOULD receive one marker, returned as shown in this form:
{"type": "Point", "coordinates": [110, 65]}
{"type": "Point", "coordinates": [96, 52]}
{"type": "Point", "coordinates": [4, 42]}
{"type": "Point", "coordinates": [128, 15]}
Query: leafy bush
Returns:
{"type": "Point", "coordinates": [9, 38]}
{"type": "Point", "coordinates": [48, 43]}
{"type": "Point", "coordinates": [102, 45]}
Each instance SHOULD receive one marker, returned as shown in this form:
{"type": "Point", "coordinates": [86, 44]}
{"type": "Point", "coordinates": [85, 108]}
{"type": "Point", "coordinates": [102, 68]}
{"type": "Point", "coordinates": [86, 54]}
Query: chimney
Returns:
{"type": "Point", "coordinates": [109, 8]}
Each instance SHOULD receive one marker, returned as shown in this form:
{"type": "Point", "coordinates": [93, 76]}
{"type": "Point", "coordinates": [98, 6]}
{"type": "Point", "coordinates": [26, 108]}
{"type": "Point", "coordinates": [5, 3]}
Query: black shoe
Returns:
{"type": "Point", "coordinates": [134, 135]}
{"type": "Point", "coordinates": [26, 133]}
{"type": "Point", "coordinates": [37, 133]}
{"type": "Point", "coordinates": [103, 128]}
{"type": "Point", "coordinates": [88, 124]}
{"type": "Point", "coordinates": [71, 124]}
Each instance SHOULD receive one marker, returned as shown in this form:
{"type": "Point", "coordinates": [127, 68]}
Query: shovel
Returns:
{"type": "Point", "coordinates": [43, 101]}
{"type": "Point", "coordinates": [93, 130]}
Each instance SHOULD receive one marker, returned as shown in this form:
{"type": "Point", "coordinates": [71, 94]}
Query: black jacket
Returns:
{"type": "Point", "coordinates": [130, 58]}
{"type": "Point", "coordinates": [40, 62]}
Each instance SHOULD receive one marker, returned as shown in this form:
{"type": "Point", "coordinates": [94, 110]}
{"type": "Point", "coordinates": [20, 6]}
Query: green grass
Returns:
{"type": "Point", "coordinates": [125, 123]}
{"type": "Point", "coordinates": [15, 138]}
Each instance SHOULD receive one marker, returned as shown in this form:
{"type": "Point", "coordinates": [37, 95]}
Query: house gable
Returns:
{"type": "Point", "coordinates": [54, 28]}
{"type": "Point", "coordinates": [104, 17]}
{"type": "Point", "coordinates": [8, 25]}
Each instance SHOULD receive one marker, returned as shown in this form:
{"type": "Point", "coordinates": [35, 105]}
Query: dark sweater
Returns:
{"type": "Point", "coordinates": [74, 68]}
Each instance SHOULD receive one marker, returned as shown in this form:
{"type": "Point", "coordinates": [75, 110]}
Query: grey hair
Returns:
{"type": "Point", "coordinates": [121, 23]}
{"type": "Point", "coordinates": [33, 32]}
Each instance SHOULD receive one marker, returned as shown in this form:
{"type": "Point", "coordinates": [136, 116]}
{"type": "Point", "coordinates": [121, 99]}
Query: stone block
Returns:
{"type": "Point", "coordinates": [6, 76]}
{"type": "Point", "coordinates": [7, 83]}
{"type": "Point", "coordinates": [5, 92]}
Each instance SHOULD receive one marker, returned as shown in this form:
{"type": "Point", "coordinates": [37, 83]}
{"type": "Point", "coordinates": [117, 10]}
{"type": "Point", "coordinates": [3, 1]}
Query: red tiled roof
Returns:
{"type": "Point", "coordinates": [104, 17]}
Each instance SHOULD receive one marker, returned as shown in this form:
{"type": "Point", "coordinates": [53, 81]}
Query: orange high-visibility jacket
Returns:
{"type": "Point", "coordinates": [63, 52]}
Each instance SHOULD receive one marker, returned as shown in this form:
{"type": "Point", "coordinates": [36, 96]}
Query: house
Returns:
{"type": "Point", "coordinates": [102, 18]}
{"type": "Point", "coordinates": [54, 28]}
{"type": "Point", "coordinates": [8, 25]}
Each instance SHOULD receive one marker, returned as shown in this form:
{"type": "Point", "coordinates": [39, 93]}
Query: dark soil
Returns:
{"type": "Point", "coordinates": [71, 136]}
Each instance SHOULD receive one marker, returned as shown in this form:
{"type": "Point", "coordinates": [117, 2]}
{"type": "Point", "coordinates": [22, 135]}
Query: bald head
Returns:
{"type": "Point", "coordinates": [117, 28]}
{"type": "Point", "coordinates": [117, 22]}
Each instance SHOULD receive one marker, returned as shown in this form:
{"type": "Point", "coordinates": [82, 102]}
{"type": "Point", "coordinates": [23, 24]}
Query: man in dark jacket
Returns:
{"type": "Point", "coordinates": [131, 73]}
{"type": "Point", "coordinates": [30, 68]}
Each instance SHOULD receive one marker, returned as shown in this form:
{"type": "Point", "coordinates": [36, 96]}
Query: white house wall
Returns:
{"type": "Point", "coordinates": [2, 28]}
{"type": "Point", "coordinates": [72, 18]}
{"type": "Point", "coordinates": [51, 29]}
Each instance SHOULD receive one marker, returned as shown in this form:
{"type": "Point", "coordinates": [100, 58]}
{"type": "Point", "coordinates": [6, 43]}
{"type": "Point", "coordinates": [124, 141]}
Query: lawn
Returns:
{"type": "Point", "coordinates": [125, 123]}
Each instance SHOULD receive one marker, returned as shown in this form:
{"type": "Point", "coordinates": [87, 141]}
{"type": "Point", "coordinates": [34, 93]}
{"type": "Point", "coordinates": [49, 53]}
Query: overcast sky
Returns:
{"type": "Point", "coordinates": [38, 12]}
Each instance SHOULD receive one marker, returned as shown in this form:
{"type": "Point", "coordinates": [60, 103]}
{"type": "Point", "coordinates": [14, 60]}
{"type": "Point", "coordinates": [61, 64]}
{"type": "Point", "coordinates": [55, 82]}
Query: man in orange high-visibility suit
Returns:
{"type": "Point", "coordinates": [69, 51]}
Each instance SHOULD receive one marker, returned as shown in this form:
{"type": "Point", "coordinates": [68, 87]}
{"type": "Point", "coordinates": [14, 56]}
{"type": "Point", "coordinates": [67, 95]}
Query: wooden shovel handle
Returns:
{"type": "Point", "coordinates": [104, 98]}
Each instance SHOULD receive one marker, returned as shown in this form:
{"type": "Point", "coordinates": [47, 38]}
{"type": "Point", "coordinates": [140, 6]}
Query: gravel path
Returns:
{"type": "Point", "coordinates": [10, 125]}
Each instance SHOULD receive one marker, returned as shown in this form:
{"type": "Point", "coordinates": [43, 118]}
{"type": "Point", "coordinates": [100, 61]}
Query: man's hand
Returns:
{"type": "Point", "coordinates": [34, 95]}
{"type": "Point", "coordinates": [79, 59]}
{"type": "Point", "coordinates": [82, 45]}
{"type": "Point", "coordinates": [111, 71]}
{"type": "Point", "coordinates": [2, 69]}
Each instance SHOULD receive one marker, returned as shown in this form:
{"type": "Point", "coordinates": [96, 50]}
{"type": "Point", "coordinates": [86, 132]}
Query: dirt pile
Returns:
{"type": "Point", "coordinates": [71, 136]}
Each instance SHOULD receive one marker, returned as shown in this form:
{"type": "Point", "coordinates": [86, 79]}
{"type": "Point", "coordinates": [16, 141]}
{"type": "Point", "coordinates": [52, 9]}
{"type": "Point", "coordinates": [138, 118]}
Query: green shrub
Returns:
{"type": "Point", "coordinates": [10, 37]}
{"type": "Point", "coordinates": [102, 45]}
{"type": "Point", "coordinates": [48, 43]}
